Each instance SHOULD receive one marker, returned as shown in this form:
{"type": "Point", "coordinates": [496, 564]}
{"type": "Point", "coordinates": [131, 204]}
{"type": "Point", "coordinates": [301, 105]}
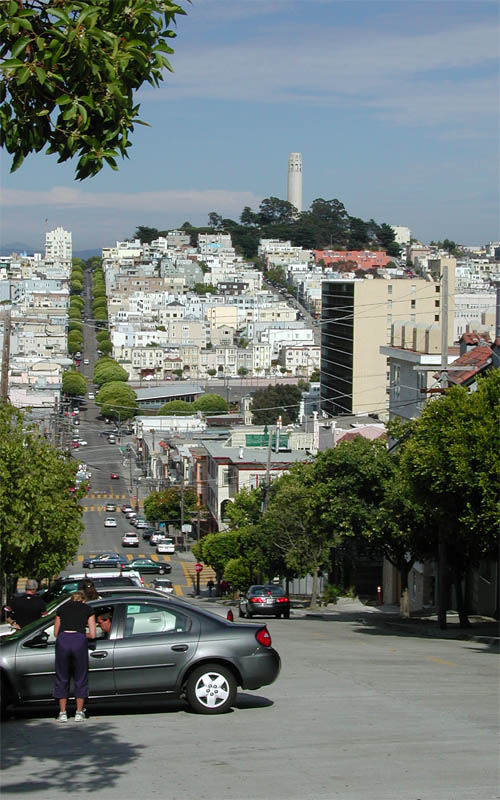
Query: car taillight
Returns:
{"type": "Point", "coordinates": [282, 600]}
{"type": "Point", "coordinates": [263, 637]}
{"type": "Point", "coordinates": [257, 599]}
{"type": "Point", "coordinates": [230, 615]}
{"type": "Point", "coordinates": [142, 579]}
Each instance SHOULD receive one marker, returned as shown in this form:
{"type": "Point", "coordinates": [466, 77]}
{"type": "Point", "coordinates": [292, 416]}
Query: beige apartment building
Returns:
{"type": "Point", "coordinates": [357, 316]}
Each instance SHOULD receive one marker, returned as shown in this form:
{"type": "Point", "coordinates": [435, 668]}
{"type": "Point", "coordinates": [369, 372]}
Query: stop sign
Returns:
{"type": "Point", "coordinates": [198, 567]}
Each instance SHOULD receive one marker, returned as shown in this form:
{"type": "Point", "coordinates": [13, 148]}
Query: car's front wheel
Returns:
{"type": "Point", "coordinates": [211, 689]}
{"type": "Point", "coordinates": [161, 571]}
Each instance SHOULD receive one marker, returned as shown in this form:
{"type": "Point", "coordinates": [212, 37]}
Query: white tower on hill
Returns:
{"type": "Point", "coordinates": [295, 180]}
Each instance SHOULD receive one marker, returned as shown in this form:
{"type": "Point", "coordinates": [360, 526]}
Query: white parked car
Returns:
{"type": "Point", "coordinates": [157, 537]}
{"type": "Point", "coordinates": [91, 395]}
{"type": "Point", "coordinates": [163, 585]}
{"type": "Point", "coordinates": [130, 540]}
{"type": "Point", "coordinates": [83, 442]}
{"type": "Point", "coordinates": [86, 361]}
{"type": "Point", "coordinates": [110, 522]}
{"type": "Point", "coordinates": [166, 546]}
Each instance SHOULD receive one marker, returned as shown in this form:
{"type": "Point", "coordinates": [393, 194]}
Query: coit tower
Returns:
{"type": "Point", "coordinates": [295, 180]}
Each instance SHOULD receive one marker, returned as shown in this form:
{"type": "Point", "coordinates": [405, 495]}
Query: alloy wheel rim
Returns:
{"type": "Point", "coordinates": [212, 689]}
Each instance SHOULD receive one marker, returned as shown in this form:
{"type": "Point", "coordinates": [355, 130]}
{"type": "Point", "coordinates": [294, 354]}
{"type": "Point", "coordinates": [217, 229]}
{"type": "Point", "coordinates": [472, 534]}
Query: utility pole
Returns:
{"type": "Point", "coordinates": [4, 382]}
{"type": "Point", "coordinates": [442, 548]}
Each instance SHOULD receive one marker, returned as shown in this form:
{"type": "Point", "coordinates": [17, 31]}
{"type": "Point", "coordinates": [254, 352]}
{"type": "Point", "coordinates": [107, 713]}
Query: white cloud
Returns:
{"type": "Point", "coordinates": [341, 67]}
{"type": "Point", "coordinates": [180, 201]}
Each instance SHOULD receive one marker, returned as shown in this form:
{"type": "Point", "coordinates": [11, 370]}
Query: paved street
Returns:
{"type": "Point", "coordinates": [358, 712]}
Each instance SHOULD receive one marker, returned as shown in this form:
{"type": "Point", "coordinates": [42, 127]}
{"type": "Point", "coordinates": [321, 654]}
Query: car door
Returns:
{"type": "Point", "coordinates": [35, 665]}
{"type": "Point", "coordinates": [157, 641]}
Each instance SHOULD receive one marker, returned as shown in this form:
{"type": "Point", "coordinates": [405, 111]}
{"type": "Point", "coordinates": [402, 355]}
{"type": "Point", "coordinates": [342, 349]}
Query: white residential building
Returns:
{"type": "Point", "coordinates": [58, 246]}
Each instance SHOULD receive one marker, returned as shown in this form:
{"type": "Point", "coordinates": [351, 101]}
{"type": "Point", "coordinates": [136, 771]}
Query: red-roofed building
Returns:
{"type": "Point", "coordinates": [359, 259]}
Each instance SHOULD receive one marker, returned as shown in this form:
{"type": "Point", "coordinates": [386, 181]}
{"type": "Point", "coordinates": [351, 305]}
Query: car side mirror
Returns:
{"type": "Point", "coordinates": [41, 640]}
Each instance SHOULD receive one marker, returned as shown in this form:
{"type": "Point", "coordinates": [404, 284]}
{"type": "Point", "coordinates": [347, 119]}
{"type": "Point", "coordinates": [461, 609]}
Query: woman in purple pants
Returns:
{"type": "Point", "coordinates": [72, 654]}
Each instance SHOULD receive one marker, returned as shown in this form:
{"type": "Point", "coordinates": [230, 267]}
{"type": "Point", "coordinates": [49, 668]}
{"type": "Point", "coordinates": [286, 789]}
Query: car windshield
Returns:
{"type": "Point", "coordinates": [276, 591]}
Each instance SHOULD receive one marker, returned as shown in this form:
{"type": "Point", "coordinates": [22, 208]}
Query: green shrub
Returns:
{"type": "Point", "coordinates": [331, 594]}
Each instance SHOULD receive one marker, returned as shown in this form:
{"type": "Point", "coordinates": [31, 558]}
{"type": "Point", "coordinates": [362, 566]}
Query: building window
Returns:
{"type": "Point", "coordinates": [413, 303]}
{"type": "Point", "coordinates": [438, 289]}
{"type": "Point", "coordinates": [436, 303]}
{"type": "Point", "coordinates": [389, 288]}
{"type": "Point", "coordinates": [396, 381]}
{"type": "Point", "coordinates": [436, 317]}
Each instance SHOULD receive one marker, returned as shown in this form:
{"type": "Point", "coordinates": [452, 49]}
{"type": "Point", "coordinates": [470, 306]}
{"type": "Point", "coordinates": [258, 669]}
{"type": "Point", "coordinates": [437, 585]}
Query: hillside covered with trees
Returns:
{"type": "Point", "coordinates": [325, 225]}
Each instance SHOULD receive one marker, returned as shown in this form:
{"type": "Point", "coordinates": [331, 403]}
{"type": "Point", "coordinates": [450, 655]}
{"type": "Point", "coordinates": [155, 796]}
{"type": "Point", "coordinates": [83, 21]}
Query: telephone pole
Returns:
{"type": "Point", "coordinates": [442, 548]}
{"type": "Point", "coordinates": [4, 381]}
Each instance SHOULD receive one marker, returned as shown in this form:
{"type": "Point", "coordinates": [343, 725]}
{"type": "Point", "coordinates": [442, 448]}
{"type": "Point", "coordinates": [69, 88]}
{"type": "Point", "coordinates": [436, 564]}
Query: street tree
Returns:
{"type": "Point", "coordinates": [281, 400]}
{"type": "Point", "coordinates": [179, 408]}
{"type": "Point", "coordinates": [70, 73]}
{"type": "Point", "coordinates": [109, 373]}
{"type": "Point", "coordinates": [451, 463]}
{"type": "Point", "coordinates": [298, 533]}
{"type": "Point", "coordinates": [73, 383]}
{"type": "Point", "coordinates": [117, 400]}
{"type": "Point", "coordinates": [40, 519]}
{"type": "Point", "coordinates": [210, 404]}
{"type": "Point", "coordinates": [171, 505]}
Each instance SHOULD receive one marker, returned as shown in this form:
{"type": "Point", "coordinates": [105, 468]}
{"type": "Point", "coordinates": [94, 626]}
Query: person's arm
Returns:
{"type": "Point", "coordinates": [10, 616]}
{"type": "Point", "coordinates": [92, 628]}
{"type": "Point", "coordinates": [57, 625]}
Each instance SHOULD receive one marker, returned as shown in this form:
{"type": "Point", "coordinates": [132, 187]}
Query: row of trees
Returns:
{"type": "Point", "coordinates": [40, 518]}
{"type": "Point", "coordinates": [432, 496]}
{"type": "Point", "coordinates": [326, 224]}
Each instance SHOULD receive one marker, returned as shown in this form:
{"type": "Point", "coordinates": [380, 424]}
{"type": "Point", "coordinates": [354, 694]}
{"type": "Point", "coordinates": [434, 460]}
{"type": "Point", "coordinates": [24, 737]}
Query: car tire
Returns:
{"type": "Point", "coordinates": [91, 566]}
{"type": "Point", "coordinates": [211, 689]}
{"type": "Point", "coordinates": [6, 697]}
{"type": "Point", "coordinates": [286, 615]}
{"type": "Point", "coordinates": [161, 571]}
{"type": "Point", "coordinates": [241, 613]}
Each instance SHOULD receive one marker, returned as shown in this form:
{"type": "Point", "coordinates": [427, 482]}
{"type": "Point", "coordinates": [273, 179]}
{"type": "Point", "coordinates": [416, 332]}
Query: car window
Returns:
{"type": "Point", "coordinates": [277, 591]}
{"type": "Point", "coordinates": [142, 618]}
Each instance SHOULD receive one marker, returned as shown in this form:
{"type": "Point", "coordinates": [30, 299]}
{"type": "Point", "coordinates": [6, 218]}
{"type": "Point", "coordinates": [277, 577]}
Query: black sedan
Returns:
{"type": "Point", "coordinates": [268, 600]}
{"type": "Point", "coordinates": [157, 646]}
{"type": "Point", "coordinates": [105, 560]}
{"type": "Point", "coordinates": [148, 565]}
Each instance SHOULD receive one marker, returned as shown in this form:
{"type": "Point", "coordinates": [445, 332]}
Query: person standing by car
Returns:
{"type": "Point", "coordinates": [89, 590]}
{"type": "Point", "coordinates": [71, 621]}
{"type": "Point", "coordinates": [26, 607]}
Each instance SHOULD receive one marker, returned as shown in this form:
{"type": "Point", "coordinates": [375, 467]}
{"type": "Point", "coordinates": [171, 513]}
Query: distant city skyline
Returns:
{"type": "Point", "coordinates": [393, 106]}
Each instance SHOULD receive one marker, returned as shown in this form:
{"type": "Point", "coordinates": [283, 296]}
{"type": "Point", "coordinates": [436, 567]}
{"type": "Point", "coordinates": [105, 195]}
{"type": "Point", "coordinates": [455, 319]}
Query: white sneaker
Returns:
{"type": "Point", "coordinates": [80, 716]}
{"type": "Point", "coordinates": [63, 717]}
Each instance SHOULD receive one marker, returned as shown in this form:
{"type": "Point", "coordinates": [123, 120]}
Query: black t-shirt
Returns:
{"type": "Point", "coordinates": [26, 608]}
{"type": "Point", "coordinates": [74, 616]}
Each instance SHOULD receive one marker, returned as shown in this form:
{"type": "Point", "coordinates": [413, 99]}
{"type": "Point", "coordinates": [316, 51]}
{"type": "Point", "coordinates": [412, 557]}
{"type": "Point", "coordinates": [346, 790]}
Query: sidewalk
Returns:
{"type": "Point", "coordinates": [483, 629]}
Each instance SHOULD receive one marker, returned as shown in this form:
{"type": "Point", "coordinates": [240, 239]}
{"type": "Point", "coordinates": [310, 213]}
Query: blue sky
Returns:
{"type": "Point", "coordinates": [393, 105]}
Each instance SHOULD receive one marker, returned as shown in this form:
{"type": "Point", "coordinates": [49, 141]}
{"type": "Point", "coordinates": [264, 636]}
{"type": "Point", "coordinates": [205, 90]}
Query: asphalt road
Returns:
{"type": "Point", "coordinates": [357, 713]}
{"type": "Point", "coordinates": [101, 459]}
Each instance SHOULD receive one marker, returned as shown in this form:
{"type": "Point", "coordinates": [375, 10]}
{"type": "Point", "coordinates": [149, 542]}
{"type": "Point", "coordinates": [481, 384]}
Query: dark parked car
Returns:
{"type": "Point", "coordinates": [157, 646]}
{"type": "Point", "coordinates": [147, 533]}
{"type": "Point", "coordinates": [105, 560]}
{"type": "Point", "coordinates": [268, 600]}
{"type": "Point", "coordinates": [148, 565]}
{"type": "Point", "coordinates": [72, 583]}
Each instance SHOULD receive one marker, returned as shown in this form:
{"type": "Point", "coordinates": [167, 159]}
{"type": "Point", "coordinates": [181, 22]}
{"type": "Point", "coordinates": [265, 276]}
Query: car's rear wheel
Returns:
{"type": "Point", "coordinates": [286, 615]}
{"type": "Point", "coordinates": [241, 613]}
{"type": "Point", "coordinates": [211, 689]}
